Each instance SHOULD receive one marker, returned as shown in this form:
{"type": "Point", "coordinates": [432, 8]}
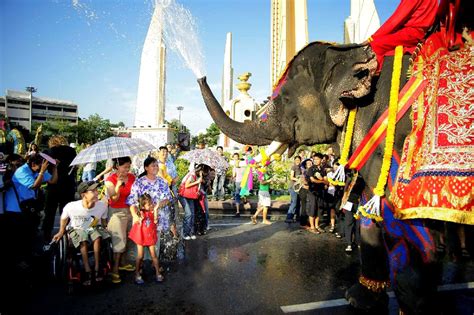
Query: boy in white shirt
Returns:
{"type": "Point", "coordinates": [84, 220]}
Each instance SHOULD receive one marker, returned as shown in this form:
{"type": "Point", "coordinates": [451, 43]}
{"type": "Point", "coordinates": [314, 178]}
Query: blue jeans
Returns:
{"type": "Point", "coordinates": [206, 205]}
{"type": "Point", "coordinates": [188, 220]}
{"type": "Point", "coordinates": [293, 205]}
{"type": "Point", "coordinates": [237, 193]}
{"type": "Point", "coordinates": [88, 176]}
{"type": "Point", "coordinates": [218, 186]}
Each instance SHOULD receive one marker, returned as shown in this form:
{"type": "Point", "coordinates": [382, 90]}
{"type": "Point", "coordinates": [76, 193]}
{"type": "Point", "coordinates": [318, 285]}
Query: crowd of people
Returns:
{"type": "Point", "coordinates": [314, 198]}
{"type": "Point", "coordinates": [140, 209]}
{"type": "Point", "coordinates": [129, 209]}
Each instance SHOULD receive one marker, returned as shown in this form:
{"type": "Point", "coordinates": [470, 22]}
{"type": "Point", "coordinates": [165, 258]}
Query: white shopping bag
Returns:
{"type": "Point", "coordinates": [348, 206]}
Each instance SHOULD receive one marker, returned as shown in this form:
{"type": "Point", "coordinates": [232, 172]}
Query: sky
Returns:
{"type": "Point", "coordinates": [88, 51]}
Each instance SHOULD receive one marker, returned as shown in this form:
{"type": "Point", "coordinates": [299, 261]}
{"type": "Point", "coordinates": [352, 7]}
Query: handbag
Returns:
{"type": "Point", "coordinates": [192, 192]}
{"type": "Point", "coordinates": [29, 206]}
{"type": "Point", "coordinates": [189, 193]}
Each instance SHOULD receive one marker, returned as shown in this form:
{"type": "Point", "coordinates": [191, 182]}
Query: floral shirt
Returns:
{"type": "Point", "coordinates": [158, 190]}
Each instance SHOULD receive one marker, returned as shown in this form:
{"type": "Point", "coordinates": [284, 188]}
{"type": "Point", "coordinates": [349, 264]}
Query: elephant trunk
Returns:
{"type": "Point", "coordinates": [253, 133]}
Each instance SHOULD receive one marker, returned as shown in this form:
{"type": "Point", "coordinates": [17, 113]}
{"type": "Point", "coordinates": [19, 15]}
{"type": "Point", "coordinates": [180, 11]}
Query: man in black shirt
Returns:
{"type": "Point", "coordinates": [61, 193]}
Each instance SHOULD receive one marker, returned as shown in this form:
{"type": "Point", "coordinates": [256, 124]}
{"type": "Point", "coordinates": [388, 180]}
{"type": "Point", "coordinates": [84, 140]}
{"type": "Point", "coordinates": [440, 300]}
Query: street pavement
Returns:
{"type": "Point", "coordinates": [237, 268]}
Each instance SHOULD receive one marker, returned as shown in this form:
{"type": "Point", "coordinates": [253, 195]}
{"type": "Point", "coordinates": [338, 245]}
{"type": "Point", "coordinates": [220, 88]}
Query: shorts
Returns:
{"type": "Point", "coordinates": [311, 206]}
{"type": "Point", "coordinates": [330, 201]}
{"type": "Point", "coordinates": [79, 235]}
{"type": "Point", "coordinates": [264, 199]}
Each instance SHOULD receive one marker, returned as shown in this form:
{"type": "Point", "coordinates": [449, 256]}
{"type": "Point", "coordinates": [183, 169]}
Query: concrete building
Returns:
{"type": "Point", "coordinates": [15, 105]}
{"type": "Point", "coordinates": [289, 34]}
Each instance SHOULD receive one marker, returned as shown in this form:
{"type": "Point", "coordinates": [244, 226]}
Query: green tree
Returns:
{"type": "Point", "coordinates": [53, 127]}
{"type": "Point", "coordinates": [212, 134]}
{"type": "Point", "coordinates": [120, 124]}
{"type": "Point", "coordinates": [93, 129]}
{"type": "Point", "coordinates": [210, 137]}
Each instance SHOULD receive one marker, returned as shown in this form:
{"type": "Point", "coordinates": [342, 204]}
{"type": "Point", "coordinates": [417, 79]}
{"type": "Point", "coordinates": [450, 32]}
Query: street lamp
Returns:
{"type": "Point", "coordinates": [32, 90]}
{"type": "Point", "coordinates": [180, 109]}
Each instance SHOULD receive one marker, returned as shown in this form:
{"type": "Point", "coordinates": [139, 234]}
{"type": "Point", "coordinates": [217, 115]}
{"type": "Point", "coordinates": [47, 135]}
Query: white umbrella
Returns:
{"type": "Point", "coordinates": [207, 157]}
{"type": "Point", "coordinates": [111, 148]}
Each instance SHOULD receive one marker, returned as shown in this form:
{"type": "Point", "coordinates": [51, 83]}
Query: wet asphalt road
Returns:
{"type": "Point", "coordinates": [237, 268]}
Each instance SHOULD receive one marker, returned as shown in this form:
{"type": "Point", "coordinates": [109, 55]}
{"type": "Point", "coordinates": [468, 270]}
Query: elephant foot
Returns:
{"type": "Point", "coordinates": [361, 298]}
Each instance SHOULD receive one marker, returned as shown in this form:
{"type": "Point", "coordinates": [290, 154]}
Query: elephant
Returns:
{"type": "Point", "coordinates": [310, 105]}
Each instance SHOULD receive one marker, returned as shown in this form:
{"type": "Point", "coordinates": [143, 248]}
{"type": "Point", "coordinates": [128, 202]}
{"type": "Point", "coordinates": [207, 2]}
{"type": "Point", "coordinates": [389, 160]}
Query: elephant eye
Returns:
{"type": "Point", "coordinates": [361, 73]}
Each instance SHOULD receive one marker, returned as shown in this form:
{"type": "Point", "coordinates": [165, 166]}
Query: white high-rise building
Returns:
{"type": "Point", "coordinates": [362, 23]}
{"type": "Point", "coordinates": [289, 34]}
{"type": "Point", "coordinates": [150, 107]}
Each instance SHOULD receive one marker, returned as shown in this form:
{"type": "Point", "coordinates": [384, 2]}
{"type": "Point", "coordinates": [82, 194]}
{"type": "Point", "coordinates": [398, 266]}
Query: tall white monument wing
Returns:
{"type": "Point", "coordinates": [228, 71]}
{"type": "Point", "coordinates": [363, 21]}
{"type": "Point", "coordinates": [151, 83]}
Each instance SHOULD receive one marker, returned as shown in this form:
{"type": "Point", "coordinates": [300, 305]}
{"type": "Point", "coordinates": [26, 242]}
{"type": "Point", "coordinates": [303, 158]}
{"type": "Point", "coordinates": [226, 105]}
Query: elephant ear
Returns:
{"type": "Point", "coordinates": [359, 80]}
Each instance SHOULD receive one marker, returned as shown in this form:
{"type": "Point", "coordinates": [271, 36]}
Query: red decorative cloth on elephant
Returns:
{"type": "Point", "coordinates": [406, 26]}
{"type": "Point", "coordinates": [436, 175]}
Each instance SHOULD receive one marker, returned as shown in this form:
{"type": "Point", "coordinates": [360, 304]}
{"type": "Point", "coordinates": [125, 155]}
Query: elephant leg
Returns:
{"type": "Point", "coordinates": [369, 293]}
{"type": "Point", "coordinates": [415, 271]}
{"type": "Point", "coordinates": [415, 288]}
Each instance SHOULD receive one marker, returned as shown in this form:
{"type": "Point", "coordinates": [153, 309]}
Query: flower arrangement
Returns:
{"type": "Point", "coordinates": [372, 208]}
{"type": "Point", "coordinates": [340, 176]}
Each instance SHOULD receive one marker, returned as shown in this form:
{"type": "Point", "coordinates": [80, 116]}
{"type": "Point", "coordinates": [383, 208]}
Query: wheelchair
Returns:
{"type": "Point", "coordinates": [67, 265]}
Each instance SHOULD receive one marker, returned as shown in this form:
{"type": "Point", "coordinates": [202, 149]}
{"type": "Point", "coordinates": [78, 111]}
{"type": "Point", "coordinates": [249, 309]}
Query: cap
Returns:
{"type": "Point", "coordinates": [86, 186]}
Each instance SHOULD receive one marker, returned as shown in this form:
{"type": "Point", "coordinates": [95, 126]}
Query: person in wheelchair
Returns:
{"type": "Point", "coordinates": [80, 219]}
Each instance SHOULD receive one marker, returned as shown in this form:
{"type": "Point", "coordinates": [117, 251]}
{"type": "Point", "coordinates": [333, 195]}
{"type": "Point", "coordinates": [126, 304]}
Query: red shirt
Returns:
{"type": "Point", "coordinates": [124, 190]}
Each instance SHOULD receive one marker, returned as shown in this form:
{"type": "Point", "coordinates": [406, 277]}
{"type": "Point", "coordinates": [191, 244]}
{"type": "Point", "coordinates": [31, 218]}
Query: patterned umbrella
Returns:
{"type": "Point", "coordinates": [208, 157]}
{"type": "Point", "coordinates": [111, 148]}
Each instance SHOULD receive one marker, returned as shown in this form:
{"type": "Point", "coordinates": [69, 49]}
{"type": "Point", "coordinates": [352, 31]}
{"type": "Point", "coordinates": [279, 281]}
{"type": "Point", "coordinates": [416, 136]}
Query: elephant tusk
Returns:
{"type": "Point", "coordinates": [274, 147]}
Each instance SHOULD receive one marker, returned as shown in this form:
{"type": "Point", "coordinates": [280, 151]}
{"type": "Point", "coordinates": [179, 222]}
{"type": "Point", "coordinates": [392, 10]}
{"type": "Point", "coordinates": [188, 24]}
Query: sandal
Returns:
{"type": "Point", "coordinates": [320, 230]}
{"type": "Point", "coordinates": [98, 276]}
{"type": "Point", "coordinates": [331, 230]}
{"type": "Point", "coordinates": [254, 220]}
{"type": "Point", "coordinates": [314, 231]}
{"type": "Point", "coordinates": [465, 253]}
{"type": "Point", "coordinates": [127, 267]}
{"type": "Point", "coordinates": [139, 280]}
{"type": "Point", "coordinates": [87, 279]}
{"type": "Point", "coordinates": [159, 278]}
{"type": "Point", "coordinates": [115, 277]}
{"type": "Point", "coordinates": [440, 248]}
